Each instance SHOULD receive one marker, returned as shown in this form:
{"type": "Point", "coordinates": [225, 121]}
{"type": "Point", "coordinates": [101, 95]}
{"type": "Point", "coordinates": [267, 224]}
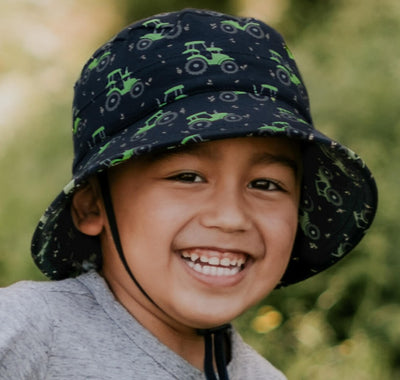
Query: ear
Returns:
{"type": "Point", "coordinates": [86, 210]}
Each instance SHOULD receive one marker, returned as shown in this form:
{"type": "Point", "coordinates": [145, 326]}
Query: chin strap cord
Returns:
{"type": "Point", "coordinates": [212, 337]}
{"type": "Point", "coordinates": [105, 190]}
{"type": "Point", "coordinates": [215, 347]}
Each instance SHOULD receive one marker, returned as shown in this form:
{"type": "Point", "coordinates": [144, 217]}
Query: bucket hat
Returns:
{"type": "Point", "coordinates": [193, 76]}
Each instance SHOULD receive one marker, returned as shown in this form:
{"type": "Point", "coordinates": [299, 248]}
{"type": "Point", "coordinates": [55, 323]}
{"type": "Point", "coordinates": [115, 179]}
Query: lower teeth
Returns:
{"type": "Point", "coordinates": [212, 270]}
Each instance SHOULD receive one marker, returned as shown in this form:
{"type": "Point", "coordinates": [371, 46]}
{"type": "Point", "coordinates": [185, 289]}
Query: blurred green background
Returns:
{"type": "Point", "coordinates": [345, 322]}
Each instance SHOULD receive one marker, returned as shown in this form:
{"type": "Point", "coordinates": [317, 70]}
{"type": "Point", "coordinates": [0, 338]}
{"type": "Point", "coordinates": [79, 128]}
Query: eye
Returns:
{"type": "Point", "coordinates": [265, 185]}
{"type": "Point", "coordinates": [187, 177]}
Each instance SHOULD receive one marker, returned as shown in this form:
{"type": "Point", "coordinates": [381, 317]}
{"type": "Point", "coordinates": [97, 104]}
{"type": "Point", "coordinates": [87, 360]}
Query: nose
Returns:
{"type": "Point", "coordinates": [226, 210]}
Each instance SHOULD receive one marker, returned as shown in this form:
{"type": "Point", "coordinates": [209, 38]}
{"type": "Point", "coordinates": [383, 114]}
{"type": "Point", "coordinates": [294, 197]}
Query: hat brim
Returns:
{"type": "Point", "coordinates": [338, 200]}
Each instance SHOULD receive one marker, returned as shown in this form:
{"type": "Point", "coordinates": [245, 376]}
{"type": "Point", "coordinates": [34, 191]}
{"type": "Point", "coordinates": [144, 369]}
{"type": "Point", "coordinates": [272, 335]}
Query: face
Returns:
{"type": "Point", "coordinates": [206, 231]}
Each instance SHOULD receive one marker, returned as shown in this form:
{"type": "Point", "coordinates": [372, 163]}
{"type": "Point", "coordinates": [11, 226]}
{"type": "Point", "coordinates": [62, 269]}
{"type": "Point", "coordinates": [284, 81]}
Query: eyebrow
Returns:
{"type": "Point", "coordinates": [268, 158]}
{"type": "Point", "coordinates": [213, 154]}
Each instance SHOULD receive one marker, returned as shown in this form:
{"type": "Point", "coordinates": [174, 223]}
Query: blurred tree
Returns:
{"type": "Point", "coordinates": [137, 9]}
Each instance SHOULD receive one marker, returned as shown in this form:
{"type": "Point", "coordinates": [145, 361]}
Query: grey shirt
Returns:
{"type": "Point", "coordinates": [76, 329]}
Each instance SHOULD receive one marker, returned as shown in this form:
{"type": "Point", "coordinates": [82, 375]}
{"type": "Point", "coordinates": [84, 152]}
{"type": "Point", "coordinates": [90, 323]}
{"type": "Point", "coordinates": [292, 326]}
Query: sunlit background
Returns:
{"type": "Point", "coordinates": [342, 324]}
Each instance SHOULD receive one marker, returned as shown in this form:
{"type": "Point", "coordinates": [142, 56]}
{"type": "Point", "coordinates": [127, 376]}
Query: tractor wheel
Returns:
{"type": "Point", "coordinates": [137, 90]}
{"type": "Point", "coordinates": [333, 197]}
{"type": "Point", "coordinates": [231, 117]}
{"type": "Point", "coordinates": [228, 28]}
{"type": "Point", "coordinates": [229, 67]}
{"type": "Point", "coordinates": [307, 204]}
{"type": "Point", "coordinates": [283, 76]}
{"type": "Point", "coordinates": [167, 118]}
{"type": "Point", "coordinates": [85, 76]}
{"type": "Point", "coordinates": [312, 231]}
{"type": "Point", "coordinates": [174, 32]}
{"type": "Point", "coordinates": [103, 63]}
{"type": "Point", "coordinates": [112, 101]}
{"type": "Point", "coordinates": [228, 96]}
{"type": "Point", "coordinates": [255, 31]}
{"type": "Point", "coordinates": [144, 44]}
{"type": "Point", "coordinates": [196, 66]}
{"type": "Point", "coordinates": [199, 125]}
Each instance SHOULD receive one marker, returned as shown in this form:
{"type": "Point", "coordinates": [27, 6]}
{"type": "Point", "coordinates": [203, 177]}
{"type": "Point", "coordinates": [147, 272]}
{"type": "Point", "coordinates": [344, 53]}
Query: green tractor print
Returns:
{"type": "Point", "coordinates": [325, 189]}
{"type": "Point", "coordinates": [172, 94]}
{"type": "Point", "coordinates": [332, 154]}
{"type": "Point", "coordinates": [309, 229]}
{"type": "Point", "coordinates": [160, 31]}
{"type": "Point", "coordinates": [200, 56]}
{"type": "Point", "coordinates": [203, 120]}
{"type": "Point", "coordinates": [275, 127]}
{"type": "Point", "coordinates": [77, 126]}
{"type": "Point", "coordinates": [362, 217]}
{"type": "Point", "coordinates": [289, 115]}
{"type": "Point", "coordinates": [252, 28]}
{"type": "Point", "coordinates": [119, 84]}
{"type": "Point", "coordinates": [263, 93]}
{"type": "Point", "coordinates": [306, 207]}
{"type": "Point", "coordinates": [342, 249]}
{"type": "Point", "coordinates": [98, 136]}
{"type": "Point", "coordinates": [98, 64]}
{"type": "Point", "coordinates": [196, 138]}
{"type": "Point", "coordinates": [159, 118]}
{"type": "Point", "coordinates": [285, 74]}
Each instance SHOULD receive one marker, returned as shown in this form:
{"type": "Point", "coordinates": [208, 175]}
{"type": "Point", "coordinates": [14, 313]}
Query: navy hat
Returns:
{"type": "Point", "coordinates": [192, 76]}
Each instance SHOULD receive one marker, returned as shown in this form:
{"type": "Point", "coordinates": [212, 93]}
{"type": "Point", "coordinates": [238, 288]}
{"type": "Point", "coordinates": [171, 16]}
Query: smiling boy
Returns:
{"type": "Point", "coordinates": [184, 213]}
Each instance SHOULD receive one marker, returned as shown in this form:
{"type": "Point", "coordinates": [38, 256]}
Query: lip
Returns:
{"type": "Point", "coordinates": [233, 273]}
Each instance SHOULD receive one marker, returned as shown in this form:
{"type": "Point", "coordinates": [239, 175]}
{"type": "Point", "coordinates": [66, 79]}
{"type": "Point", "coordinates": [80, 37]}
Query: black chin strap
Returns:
{"type": "Point", "coordinates": [214, 339]}
{"type": "Point", "coordinates": [105, 189]}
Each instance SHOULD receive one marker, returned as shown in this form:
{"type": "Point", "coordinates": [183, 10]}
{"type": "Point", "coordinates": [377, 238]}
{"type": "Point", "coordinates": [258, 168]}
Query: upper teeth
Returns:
{"type": "Point", "coordinates": [214, 260]}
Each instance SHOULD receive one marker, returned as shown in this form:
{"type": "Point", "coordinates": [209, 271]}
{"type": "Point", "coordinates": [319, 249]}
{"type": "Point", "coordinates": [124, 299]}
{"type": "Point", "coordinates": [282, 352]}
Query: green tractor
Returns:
{"type": "Point", "coordinates": [310, 230]}
{"type": "Point", "coordinates": [98, 64]}
{"type": "Point", "coordinates": [275, 127]}
{"type": "Point", "coordinates": [160, 30]}
{"type": "Point", "coordinates": [289, 115]}
{"type": "Point", "coordinates": [159, 118]}
{"type": "Point", "coordinates": [200, 56]}
{"type": "Point", "coordinates": [252, 28]}
{"type": "Point", "coordinates": [285, 74]}
{"type": "Point", "coordinates": [283, 71]}
{"type": "Point", "coordinates": [202, 120]}
{"type": "Point", "coordinates": [172, 94]}
{"type": "Point", "coordinates": [261, 93]}
{"type": "Point", "coordinates": [120, 83]}
{"type": "Point", "coordinates": [98, 136]}
{"type": "Point", "coordinates": [324, 188]}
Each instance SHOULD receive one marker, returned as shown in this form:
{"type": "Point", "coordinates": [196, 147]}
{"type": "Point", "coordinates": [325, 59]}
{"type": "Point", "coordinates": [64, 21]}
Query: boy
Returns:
{"type": "Point", "coordinates": [199, 185]}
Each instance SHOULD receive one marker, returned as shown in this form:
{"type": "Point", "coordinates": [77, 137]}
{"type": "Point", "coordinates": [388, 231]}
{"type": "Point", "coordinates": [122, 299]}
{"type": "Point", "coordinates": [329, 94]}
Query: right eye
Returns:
{"type": "Point", "coordinates": [187, 177]}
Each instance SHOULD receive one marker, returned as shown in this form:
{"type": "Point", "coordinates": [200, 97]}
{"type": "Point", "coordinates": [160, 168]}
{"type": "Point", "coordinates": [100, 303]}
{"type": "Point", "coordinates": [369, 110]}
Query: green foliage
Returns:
{"type": "Point", "coordinates": [137, 9]}
{"type": "Point", "coordinates": [345, 322]}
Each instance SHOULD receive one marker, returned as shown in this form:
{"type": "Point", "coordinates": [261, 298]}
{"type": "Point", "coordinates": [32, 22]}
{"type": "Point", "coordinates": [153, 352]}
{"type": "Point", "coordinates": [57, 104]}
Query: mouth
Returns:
{"type": "Point", "coordinates": [212, 262]}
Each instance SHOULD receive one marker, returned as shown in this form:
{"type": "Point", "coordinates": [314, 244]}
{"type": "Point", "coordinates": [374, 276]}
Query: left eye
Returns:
{"type": "Point", "coordinates": [265, 185]}
{"type": "Point", "coordinates": [187, 177]}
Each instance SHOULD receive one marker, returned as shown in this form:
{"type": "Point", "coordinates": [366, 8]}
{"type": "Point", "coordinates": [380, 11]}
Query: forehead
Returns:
{"type": "Point", "coordinates": [252, 145]}
{"type": "Point", "coordinates": [256, 150]}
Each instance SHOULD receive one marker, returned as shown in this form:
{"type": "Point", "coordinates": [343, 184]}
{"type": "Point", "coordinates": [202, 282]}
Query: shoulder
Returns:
{"type": "Point", "coordinates": [247, 363]}
{"type": "Point", "coordinates": [28, 313]}
{"type": "Point", "coordinates": [27, 298]}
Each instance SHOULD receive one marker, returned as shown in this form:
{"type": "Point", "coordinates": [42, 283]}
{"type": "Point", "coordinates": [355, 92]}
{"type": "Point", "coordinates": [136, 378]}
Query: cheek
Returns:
{"type": "Point", "coordinates": [151, 222]}
{"type": "Point", "coordinates": [279, 229]}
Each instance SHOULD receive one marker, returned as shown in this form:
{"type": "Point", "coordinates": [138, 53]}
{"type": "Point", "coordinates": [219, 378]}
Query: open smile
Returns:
{"type": "Point", "coordinates": [212, 262]}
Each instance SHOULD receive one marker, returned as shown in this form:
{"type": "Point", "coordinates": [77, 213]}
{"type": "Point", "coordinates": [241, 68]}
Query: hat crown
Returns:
{"type": "Point", "coordinates": [167, 57]}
